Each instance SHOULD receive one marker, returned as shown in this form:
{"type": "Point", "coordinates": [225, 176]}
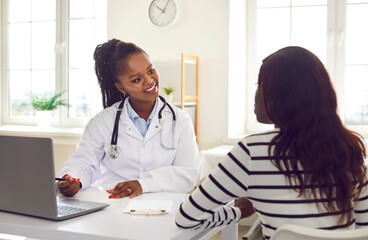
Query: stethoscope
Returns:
{"type": "Point", "coordinates": [113, 152]}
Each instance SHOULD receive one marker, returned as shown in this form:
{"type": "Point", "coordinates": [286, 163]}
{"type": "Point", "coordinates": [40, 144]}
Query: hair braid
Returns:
{"type": "Point", "coordinates": [109, 63]}
{"type": "Point", "coordinates": [106, 78]}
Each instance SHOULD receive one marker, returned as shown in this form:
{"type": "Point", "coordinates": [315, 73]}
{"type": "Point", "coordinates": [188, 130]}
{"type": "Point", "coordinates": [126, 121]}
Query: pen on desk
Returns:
{"type": "Point", "coordinates": [147, 212]}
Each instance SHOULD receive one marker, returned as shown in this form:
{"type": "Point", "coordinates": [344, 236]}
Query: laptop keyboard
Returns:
{"type": "Point", "coordinates": [67, 210]}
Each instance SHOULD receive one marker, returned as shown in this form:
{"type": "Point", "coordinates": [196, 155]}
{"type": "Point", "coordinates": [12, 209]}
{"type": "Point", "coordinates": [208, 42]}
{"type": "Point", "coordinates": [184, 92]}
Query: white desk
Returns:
{"type": "Point", "coordinates": [110, 223]}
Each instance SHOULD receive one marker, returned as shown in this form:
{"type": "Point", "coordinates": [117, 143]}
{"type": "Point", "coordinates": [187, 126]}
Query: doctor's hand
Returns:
{"type": "Point", "coordinates": [70, 186]}
{"type": "Point", "coordinates": [124, 189]}
{"type": "Point", "coordinates": [246, 207]}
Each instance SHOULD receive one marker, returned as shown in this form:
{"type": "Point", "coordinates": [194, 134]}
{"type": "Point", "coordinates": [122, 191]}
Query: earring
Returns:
{"type": "Point", "coordinates": [125, 94]}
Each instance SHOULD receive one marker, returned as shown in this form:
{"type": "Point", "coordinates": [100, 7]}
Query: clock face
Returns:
{"type": "Point", "coordinates": [163, 13]}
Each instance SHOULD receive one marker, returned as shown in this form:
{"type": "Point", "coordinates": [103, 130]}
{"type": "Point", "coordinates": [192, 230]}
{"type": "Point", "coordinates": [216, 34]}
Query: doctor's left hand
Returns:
{"type": "Point", "coordinates": [124, 189]}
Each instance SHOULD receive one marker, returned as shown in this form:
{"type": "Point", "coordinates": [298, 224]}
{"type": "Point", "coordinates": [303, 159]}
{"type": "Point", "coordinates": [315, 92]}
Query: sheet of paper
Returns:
{"type": "Point", "coordinates": [152, 205]}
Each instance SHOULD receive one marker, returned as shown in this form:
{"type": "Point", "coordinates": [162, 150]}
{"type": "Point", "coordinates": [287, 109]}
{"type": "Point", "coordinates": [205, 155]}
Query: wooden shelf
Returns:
{"type": "Point", "coordinates": [188, 60]}
{"type": "Point", "coordinates": [186, 104]}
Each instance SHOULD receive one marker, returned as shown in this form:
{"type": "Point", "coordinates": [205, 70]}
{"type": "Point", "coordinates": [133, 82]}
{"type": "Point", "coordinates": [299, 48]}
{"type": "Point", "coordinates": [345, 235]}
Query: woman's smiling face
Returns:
{"type": "Point", "coordinates": [140, 79]}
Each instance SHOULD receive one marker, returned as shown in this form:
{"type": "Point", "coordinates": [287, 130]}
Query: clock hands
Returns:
{"type": "Point", "coordinates": [162, 10]}
{"type": "Point", "coordinates": [166, 4]}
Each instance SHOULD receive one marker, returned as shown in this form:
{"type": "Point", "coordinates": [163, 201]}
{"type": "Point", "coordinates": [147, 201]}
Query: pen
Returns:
{"type": "Point", "coordinates": [60, 179]}
{"type": "Point", "coordinates": [147, 212]}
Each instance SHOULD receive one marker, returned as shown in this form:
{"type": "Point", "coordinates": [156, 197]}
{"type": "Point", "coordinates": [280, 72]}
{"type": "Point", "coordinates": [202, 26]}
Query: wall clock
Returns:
{"type": "Point", "coordinates": [163, 13]}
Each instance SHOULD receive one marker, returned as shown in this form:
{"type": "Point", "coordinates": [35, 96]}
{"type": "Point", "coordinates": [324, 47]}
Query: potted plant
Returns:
{"type": "Point", "coordinates": [43, 107]}
{"type": "Point", "coordinates": [169, 93]}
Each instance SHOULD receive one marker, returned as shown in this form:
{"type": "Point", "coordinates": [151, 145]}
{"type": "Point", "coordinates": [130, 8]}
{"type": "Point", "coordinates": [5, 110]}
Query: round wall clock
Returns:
{"type": "Point", "coordinates": [163, 13]}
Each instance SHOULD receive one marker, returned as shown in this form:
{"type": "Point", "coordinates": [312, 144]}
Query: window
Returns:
{"type": "Point", "coordinates": [333, 30]}
{"type": "Point", "coordinates": [48, 48]}
{"type": "Point", "coordinates": [356, 65]}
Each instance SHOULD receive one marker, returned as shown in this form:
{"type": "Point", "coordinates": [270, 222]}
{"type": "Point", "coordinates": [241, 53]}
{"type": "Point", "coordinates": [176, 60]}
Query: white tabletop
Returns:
{"type": "Point", "coordinates": [110, 223]}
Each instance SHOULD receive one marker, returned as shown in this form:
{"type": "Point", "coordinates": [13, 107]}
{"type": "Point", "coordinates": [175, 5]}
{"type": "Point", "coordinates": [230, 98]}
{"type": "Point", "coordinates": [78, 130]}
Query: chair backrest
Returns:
{"type": "Point", "coordinates": [295, 232]}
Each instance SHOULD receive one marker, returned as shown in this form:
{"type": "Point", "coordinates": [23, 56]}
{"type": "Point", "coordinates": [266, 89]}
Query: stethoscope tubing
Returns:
{"type": "Point", "coordinates": [113, 151]}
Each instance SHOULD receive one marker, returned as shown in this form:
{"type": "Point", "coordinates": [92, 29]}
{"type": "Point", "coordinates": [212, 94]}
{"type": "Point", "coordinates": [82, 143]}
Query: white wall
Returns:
{"type": "Point", "coordinates": [202, 28]}
{"type": "Point", "coordinates": [1, 55]}
{"type": "Point", "coordinates": [237, 59]}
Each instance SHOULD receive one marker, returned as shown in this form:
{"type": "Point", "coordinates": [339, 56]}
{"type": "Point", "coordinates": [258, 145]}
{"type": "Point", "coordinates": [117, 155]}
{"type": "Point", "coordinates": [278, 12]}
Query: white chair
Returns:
{"type": "Point", "coordinates": [295, 232]}
{"type": "Point", "coordinates": [253, 229]}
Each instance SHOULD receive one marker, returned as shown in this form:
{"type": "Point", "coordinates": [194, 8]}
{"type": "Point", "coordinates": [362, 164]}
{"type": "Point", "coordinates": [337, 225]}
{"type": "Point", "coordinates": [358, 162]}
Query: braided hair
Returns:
{"type": "Point", "coordinates": [109, 64]}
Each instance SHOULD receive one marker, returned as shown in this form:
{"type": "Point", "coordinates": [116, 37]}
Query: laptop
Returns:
{"type": "Point", "coordinates": [27, 181]}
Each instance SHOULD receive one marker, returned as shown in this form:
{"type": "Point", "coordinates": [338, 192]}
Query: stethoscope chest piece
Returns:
{"type": "Point", "coordinates": [113, 151]}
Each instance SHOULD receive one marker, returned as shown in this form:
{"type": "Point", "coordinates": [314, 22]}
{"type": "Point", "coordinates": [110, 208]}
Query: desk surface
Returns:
{"type": "Point", "coordinates": [109, 224]}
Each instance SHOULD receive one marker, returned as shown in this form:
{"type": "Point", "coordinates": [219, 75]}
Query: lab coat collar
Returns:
{"type": "Point", "coordinates": [154, 128]}
{"type": "Point", "coordinates": [166, 128]}
{"type": "Point", "coordinates": [129, 127]}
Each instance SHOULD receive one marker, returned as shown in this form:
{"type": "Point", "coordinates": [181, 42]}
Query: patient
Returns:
{"type": "Point", "coordinates": [310, 170]}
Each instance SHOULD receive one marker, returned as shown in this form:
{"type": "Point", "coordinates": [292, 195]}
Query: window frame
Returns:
{"type": "Point", "coordinates": [61, 115]}
{"type": "Point", "coordinates": [335, 64]}
{"type": "Point", "coordinates": [5, 110]}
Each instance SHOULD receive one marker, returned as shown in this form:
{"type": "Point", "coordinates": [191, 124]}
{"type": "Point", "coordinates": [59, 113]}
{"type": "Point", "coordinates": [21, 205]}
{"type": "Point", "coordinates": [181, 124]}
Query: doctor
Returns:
{"type": "Point", "coordinates": [138, 143]}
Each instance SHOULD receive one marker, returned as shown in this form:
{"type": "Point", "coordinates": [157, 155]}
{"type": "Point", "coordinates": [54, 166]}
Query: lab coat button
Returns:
{"type": "Point", "coordinates": [156, 126]}
{"type": "Point", "coordinates": [145, 170]}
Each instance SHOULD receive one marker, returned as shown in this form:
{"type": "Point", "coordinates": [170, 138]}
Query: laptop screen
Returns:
{"type": "Point", "coordinates": [27, 176]}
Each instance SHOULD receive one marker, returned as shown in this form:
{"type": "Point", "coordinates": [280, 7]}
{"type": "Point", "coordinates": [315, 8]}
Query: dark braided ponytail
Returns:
{"type": "Point", "coordinates": [109, 61]}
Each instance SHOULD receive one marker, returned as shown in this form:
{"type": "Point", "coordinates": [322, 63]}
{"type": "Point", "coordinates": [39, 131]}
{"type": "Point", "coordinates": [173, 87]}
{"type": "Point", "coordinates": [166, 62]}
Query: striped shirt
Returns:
{"type": "Point", "coordinates": [248, 172]}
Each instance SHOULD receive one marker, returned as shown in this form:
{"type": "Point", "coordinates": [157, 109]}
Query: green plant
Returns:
{"type": "Point", "coordinates": [169, 90]}
{"type": "Point", "coordinates": [47, 104]}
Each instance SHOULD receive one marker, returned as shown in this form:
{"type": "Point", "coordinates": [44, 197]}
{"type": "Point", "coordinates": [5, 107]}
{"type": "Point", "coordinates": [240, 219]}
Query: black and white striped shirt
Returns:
{"type": "Point", "coordinates": [248, 172]}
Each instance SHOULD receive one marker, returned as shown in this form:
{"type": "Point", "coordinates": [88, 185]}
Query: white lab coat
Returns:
{"type": "Point", "coordinates": [140, 158]}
